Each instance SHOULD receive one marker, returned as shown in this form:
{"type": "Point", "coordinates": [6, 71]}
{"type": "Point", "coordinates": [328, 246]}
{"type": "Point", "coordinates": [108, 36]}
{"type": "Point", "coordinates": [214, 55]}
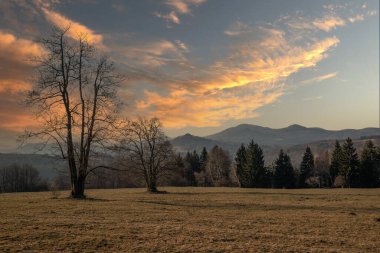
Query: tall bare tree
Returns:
{"type": "Point", "coordinates": [146, 149]}
{"type": "Point", "coordinates": [75, 97]}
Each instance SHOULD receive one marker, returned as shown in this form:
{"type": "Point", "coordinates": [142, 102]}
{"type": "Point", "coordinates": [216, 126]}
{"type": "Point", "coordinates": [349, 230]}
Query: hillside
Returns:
{"type": "Point", "coordinates": [291, 135]}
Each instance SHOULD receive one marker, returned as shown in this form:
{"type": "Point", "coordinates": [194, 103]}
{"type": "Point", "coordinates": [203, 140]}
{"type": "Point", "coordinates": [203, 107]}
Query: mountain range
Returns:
{"type": "Point", "coordinates": [293, 139]}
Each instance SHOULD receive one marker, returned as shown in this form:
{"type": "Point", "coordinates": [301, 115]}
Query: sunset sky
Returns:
{"type": "Point", "coordinates": [205, 65]}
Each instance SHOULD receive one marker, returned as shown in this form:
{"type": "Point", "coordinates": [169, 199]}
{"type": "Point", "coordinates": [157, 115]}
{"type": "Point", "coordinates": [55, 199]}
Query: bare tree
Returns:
{"type": "Point", "coordinates": [218, 169]}
{"type": "Point", "coordinates": [146, 149]}
{"type": "Point", "coordinates": [17, 178]}
{"type": "Point", "coordinates": [76, 102]}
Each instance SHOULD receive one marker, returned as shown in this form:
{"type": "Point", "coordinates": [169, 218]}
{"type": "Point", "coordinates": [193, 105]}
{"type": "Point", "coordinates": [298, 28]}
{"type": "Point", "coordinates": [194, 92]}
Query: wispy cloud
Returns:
{"type": "Point", "coordinates": [156, 53]}
{"type": "Point", "coordinates": [328, 23]}
{"type": "Point", "coordinates": [312, 98]}
{"type": "Point", "coordinates": [356, 18]}
{"type": "Point", "coordinates": [237, 28]}
{"type": "Point", "coordinates": [186, 108]}
{"type": "Point", "coordinates": [76, 29]}
{"type": "Point", "coordinates": [171, 17]}
{"type": "Point", "coordinates": [179, 7]}
{"type": "Point", "coordinates": [337, 16]}
{"type": "Point", "coordinates": [119, 7]}
{"type": "Point", "coordinates": [183, 6]}
{"type": "Point", "coordinates": [250, 76]}
{"type": "Point", "coordinates": [320, 78]}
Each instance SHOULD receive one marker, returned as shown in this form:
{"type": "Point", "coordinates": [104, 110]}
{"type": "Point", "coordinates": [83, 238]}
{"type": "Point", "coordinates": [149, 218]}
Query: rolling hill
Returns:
{"type": "Point", "coordinates": [291, 135]}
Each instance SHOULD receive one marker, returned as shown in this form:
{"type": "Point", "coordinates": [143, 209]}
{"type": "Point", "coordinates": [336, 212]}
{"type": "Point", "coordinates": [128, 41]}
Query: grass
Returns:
{"type": "Point", "coordinates": [193, 220]}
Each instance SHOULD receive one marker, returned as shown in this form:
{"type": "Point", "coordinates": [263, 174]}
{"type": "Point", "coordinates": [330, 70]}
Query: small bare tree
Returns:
{"type": "Point", "coordinates": [218, 167]}
{"type": "Point", "coordinates": [147, 150]}
{"type": "Point", "coordinates": [76, 102]}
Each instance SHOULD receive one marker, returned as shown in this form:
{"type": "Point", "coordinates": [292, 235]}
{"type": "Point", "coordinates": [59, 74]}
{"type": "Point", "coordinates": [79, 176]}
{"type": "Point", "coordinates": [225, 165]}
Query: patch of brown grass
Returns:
{"type": "Point", "coordinates": [193, 220]}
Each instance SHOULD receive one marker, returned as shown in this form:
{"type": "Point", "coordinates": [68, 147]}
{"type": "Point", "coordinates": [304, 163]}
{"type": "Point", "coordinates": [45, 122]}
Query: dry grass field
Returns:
{"type": "Point", "coordinates": [193, 220]}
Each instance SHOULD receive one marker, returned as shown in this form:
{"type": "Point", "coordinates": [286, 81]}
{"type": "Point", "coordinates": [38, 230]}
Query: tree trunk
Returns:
{"type": "Point", "coordinates": [77, 188]}
{"type": "Point", "coordinates": [152, 186]}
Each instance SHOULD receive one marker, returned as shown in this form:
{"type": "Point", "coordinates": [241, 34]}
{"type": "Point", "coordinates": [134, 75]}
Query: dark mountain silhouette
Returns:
{"type": "Point", "coordinates": [190, 142]}
{"type": "Point", "coordinates": [291, 135]}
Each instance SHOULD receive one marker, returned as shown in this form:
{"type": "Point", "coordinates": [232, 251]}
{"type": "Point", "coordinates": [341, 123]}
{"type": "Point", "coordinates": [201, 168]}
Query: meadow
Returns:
{"type": "Point", "coordinates": [192, 220]}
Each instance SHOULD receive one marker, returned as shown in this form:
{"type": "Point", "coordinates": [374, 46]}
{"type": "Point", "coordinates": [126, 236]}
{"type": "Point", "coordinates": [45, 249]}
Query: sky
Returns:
{"type": "Point", "coordinates": [202, 66]}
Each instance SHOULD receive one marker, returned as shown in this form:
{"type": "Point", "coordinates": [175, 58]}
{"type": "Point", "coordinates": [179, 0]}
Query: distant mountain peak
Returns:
{"type": "Point", "coordinates": [296, 126]}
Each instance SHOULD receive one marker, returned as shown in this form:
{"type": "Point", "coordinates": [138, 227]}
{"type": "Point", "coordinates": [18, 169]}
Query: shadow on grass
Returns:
{"type": "Point", "coordinates": [258, 207]}
{"type": "Point", "coordinates": [91, 199]}
{"type": "Point", "coordinates": [157, 192]}
{"type": "Point", "coordinates": [248, 193]}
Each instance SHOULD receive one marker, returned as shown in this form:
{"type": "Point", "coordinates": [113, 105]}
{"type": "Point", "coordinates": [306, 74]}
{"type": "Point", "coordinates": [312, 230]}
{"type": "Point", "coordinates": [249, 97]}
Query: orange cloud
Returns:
{"type": "Point", "coordinates": [16, 66]}
{"type": "Point", "coordinates": [76, 29]}
{"type": "Point", "coordinates": [328, 23]}
{"type": "Point", "coordinates": [14, 86]}
{"type": "Point", "coordinates": [17, 122]}
{"type": "Point", "coordinates": [356, 18]}
{"type": "Point", "coordinates": [269, 60]}
{"type": "Point", "coordinates": [233, 88]}
{"type": "Point", "coordinates": [183, 6]}
{"type": "Point", "coordinates": [21, 50]}
{"type": "Point", "coordinates": [16, 63]}
{"type": "Point", "coordinates": [180, 109]}
{"type": "Point", "coordinates": [179, 7]}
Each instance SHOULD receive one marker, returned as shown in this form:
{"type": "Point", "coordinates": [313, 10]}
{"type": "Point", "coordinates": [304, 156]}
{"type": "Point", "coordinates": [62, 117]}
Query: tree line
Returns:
{"type": "Point", "coordinates": [345, 169]}
{"type": "Point", "coordinates": [248, 170]}
{"type": "Point", "coordinates": [25, 178]}
{"type": "Point", "coordinates": [216, 168]}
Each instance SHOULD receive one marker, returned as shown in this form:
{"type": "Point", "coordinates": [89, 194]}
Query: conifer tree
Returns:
{"type": "Point", "coordinates": [350, 164]}
{"type": "Point", "coordinates": [241, 161]}
{"type": "Point", "coordinates": [195, 162]}
{"type": "Point", "coordinates": [336, 162]}
{"type": "Point", "coordinates": [203, 159]}
{"type": "Point", "coordinates": [369, 166]}
{"type": "Point", "coordinates": [254, 165]}
{"type": "Point", "coordinates": [306, 167]}
{"type": "Point", "coordinates": [283, 171]}
{"type": "Point", "coordinates": [194, 166]}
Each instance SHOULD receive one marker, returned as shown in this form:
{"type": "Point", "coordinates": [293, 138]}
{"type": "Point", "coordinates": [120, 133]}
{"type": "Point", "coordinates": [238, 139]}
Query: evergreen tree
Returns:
{"type": "Point", "coordinates": [193, 162]}
{"type": "Point", "coordinates": [336, 162]}
{"type": "Point", "coordinates": [306, 167]}
{"type": "Point", "coordinates": [241, 160]}
{"type": "Point", "coordinates": [350, 164]}
{"type": "Point", "coordinates": [203, 159]}
{"type": "Point", "coordinates": [254, 165]}
{"type": "Point", "coordinates": [283, 171]}
{"type": "Point", "coordinates": [369, 166]}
